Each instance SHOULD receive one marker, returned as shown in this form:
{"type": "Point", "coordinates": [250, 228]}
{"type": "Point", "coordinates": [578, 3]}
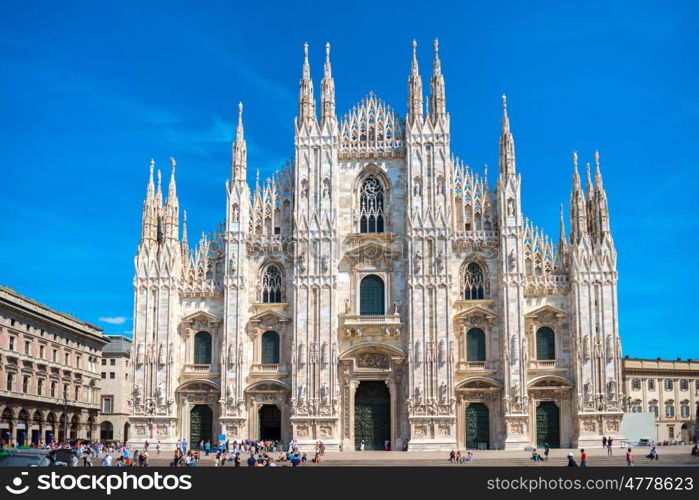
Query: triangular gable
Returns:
{"type": "Point", "coordinates": [547, 309]}
{"type": "Point", "coordinates": [204, 315]}
{"type": "Point", "coordinates": [476, 311]}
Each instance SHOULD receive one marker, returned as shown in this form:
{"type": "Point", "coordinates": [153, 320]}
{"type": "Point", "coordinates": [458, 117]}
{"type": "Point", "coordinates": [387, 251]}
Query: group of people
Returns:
{"type": "Point", "coordinates": [607, 443]}
{"type": "Point", "coordinates": [458, 458]}
{"type": "Point", "coordinates": [259, 453]}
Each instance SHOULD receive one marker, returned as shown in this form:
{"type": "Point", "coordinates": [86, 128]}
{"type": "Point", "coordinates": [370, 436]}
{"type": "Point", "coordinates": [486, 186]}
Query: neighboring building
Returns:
{"type": "Point", "coordinates": [377, 288]}
{"type": "Point", "coordinates": [49, 372]}
{"type": "Point", "coordinates": [669, 389]}
{"type": "Point", "coordinates": [116, 384]}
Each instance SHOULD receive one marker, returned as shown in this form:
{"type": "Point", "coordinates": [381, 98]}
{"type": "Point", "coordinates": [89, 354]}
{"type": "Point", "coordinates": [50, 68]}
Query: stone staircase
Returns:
{"type": "Point", "coordinates": [555, 460]}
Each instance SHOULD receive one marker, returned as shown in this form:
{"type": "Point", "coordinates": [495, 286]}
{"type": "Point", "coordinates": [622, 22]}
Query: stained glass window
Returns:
{"type": "Point", "coordinates": [371, 214]}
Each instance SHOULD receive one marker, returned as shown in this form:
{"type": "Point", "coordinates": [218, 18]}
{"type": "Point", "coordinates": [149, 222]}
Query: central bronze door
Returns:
{"type": "Point", "coordinates": [548, 424]}
{"type": "Point", "coordinates": [372, 415]}
{"type": "Point", "coordinates": [200, 425]}
{"type": "Point", "coordinates": [477, 427]}
{"type": "Point", "coordinates": [270, 423]}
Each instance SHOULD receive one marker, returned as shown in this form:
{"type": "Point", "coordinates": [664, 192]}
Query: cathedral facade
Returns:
{"type": "Point", "coordinates": [377, 289]}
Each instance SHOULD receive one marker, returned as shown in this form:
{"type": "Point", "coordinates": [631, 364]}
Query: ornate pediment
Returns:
{"type": "Point", "coordinates": [550, 382]}
{"type": "Point", "coordinates": [474, 316]}
{"type": "Point", "coordinates": [269, 319]}
{"type": "Point", "coordinates": [478, 383]}
{"type": "Point", "coordinates": [546, 311]}
{"type": "Point", "coordinates": [200, 321]}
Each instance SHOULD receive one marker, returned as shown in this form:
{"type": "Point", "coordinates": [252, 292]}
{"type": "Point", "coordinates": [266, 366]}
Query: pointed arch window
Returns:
{"type": "Point", "coordinates": [475, 345]}
{"type": "Point", "coordinates": [271, 284]}
{"type": "Point", "coordinates": [371, 296]}
{"type": "Point", "coordinates": [371, 206]}
{"type": "Point", "coordinates": [202, 348]}
{"type": "Point", "coordinates": [270, 348]}
{"type": "Point", "coordinates": [545, 344]}
{"type": "Point", "coordinates": [474, 282]}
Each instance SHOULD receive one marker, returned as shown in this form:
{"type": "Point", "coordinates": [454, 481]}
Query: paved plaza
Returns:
{"type": "Point", "coordinates": [669, 456]}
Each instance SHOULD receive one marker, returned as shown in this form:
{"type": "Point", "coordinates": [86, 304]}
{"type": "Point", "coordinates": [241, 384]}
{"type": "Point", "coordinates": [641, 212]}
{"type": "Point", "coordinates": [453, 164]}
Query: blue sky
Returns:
{"type": "Point", "coordinates": [90, 91]}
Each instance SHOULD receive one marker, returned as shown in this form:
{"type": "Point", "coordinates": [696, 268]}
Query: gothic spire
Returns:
{"type": "Point", "coordinates": [437, 93]}
{"type": "Point", "coordinates": [172, 187]}
{"type": "Point", "coordinates": [150, 192]}
{"type": "Point", "coordinates": [171, 210]}
{"type": "Point", "coordinates": [562, 233]}
{"type": "Point", "coordinates": [185, 243]}
{"type": "Point", "coordinates": [578, 206]}
{"type": "Point", "coordinates": [159, 191]}
{"type": "Point", "coordinates": [149, 221]}
{"type": "Point", "coordinates": [239, 155]}
{"type": "Point", "coordinates": [307, 105]}
{"type": "Point", "coordinates": [507, 143]}
{"type": "Point", "coordinates": [327, 91]}
{"type": "Point", "coordinates": [602, 206]}
{"type": "Point", "coordinates": [414, 90]}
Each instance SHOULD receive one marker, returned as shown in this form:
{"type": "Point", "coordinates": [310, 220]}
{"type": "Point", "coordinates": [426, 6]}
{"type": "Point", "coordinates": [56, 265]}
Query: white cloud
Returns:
{"type": "Point", "coordinates": [116, 320]}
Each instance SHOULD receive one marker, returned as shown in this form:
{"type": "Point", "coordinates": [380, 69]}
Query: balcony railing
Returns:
{"type": "Point", "coordinates": [201, 368]}
{"type": "Point", "coordinates": [542, 364]}
{"type": "Point", "coordinates": [269, 368]}
{"type": "Point", "coordinates": [383, 325]}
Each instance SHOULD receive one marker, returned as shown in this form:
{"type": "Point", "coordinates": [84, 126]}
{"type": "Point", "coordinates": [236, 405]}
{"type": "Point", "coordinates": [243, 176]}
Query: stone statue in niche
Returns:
{"type": "Point", "coordinates": [235, 213]}
{"type": "Point", "coordinates": [510, 207]}
{"type": "Point", "coordinates": [443, 392]}
{"type": "Point", "coordinates": [416, 187]}
{"type": "Point", "coordinates": [324, 394]}
{"type": "Point", "coordinates": [160, 393]}
{"type": "Point", "coordinates": [418, 261]}
{"type": "Point", "coordinates": [512, 260]}
{"type": "Point", "coordinates": [348, 306]}
{"type": "Point", "coordinates": [440, 261]}
{"type": "Point", "coordinates": [418, 394]}
{"type": "Point", "coordinates": [396, 307]}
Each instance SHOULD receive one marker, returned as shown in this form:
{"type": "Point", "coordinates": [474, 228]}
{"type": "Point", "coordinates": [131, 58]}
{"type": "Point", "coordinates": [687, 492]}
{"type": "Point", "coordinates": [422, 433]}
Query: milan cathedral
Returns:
{"type": "Point", "coordinates": [378, 291]}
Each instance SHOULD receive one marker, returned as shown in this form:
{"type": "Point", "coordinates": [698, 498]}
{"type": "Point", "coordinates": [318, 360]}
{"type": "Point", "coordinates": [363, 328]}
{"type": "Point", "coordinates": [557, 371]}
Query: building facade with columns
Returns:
{"type": "Point", "coordinates": [375, 289]}
{"type": "Point", "coordinates": [49, 373]}
{"type": "Point", "coordinates": [667, 388]}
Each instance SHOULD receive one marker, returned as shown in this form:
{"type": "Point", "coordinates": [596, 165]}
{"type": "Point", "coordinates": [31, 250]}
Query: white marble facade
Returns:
{"type": "Point", "coordinates": [376, 255]}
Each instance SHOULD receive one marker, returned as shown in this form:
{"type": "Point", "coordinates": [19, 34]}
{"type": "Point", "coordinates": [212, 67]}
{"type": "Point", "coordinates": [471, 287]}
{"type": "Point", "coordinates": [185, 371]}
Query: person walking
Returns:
{"type": "Point", "coordinates": [571, 460]}
{"type": "Point", "coordinates": [629, 458]}
{"type": "Point", "coordinates": [609, 445]}
{"type": "Point", "coordinates": [583, 458]}
{"type": "Point", "coordinates": [157, 449]}
{"type": "Point", "coordinates": [184, 446]}
{"type": "Point", "coordinates": [604, 442]}
{"type": "Point", "coordinates": [547, 448]}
